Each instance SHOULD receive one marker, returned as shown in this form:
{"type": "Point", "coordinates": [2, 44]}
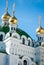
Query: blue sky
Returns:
{"type": "Point", "coordinates": [27, 12]}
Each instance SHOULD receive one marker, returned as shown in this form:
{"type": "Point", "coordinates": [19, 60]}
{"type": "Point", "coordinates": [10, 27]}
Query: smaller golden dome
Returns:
{"type": "Point", "coordinates": [6, 16]}
{"type": "Point", "coordinates": [13, 20]}
{"type": "Point", "coordinates": [40, 30]}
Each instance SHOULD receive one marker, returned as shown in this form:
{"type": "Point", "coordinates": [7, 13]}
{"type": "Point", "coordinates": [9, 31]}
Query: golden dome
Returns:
{"type": "Point", "coordinates": [6, 16]}
{"type": "Point", "coordinates": [40, 30]}
{"type": "Point", "coordinates": [13, 20]}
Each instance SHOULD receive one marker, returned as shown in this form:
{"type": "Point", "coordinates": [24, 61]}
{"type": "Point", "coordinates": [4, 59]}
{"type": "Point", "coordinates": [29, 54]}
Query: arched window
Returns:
{"type": "Point", "coordinates": [33, 45]}
{"type": "Point", "coordinates": [23, 41]}
{"type": "Point", "coordinates": [28, 42]}
{"type": "Point", "coordinates": [11, 28]}
{"type": "Point", "coordinates": [10, 34]}
{"type": "Point", "coordinates": [19, 63]}
{"type": "Point", "coordinates": [5, 23]}
{"type": "Point", "coordinates": [1, 37]}
{"type": "Point", "coordinates": [14, 28]}
{"type": "Point", "coordinates": [40, 43]}
{"type": "Point", "coordinates": [24, 62]}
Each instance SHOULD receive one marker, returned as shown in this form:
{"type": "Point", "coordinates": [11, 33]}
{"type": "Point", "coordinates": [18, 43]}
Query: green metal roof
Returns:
{"type": "Point", "coordinates": [4, 29]}
{"type": "Point", "coordinates": [19, 31]}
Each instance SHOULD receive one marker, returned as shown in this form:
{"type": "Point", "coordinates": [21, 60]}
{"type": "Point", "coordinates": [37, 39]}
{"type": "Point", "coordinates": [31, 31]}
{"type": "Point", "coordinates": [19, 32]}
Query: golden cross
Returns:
{"type": "Point", "coordinates": [6, 5]}
{"type": "Point", "coordinates": [40, 21]}
{"type": "Point", "coordinates": [13, 9]}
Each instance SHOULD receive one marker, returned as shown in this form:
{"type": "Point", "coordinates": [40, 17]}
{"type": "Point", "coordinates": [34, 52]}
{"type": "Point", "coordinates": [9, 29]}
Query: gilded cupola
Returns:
{"type": "Point", "coordinates": [40, 30]}
{"type": "Point", "coordinates": [6, 15]}
{"type": "Point", "coordinates": [13, 19]}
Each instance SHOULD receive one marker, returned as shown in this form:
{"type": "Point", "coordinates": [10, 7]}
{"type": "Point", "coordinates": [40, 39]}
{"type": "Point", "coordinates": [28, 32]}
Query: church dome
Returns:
{"type": "Point", "coordinates": [40, 30]}
{"type": "Point", "coordinates": [13, 20]}
{"type": "Point", "coordinates": [6, 16]}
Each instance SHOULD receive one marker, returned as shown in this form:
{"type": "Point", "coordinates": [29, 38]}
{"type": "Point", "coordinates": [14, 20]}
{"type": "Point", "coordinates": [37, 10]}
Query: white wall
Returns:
{"type": "Point", "coordinates": [2, 46]}
{"type": "Point", "coordinates": [6, 59]}
{"type": "Point", "coordinates": [2, 59]}
{"type": "Point", "coordinates": [13, 60]}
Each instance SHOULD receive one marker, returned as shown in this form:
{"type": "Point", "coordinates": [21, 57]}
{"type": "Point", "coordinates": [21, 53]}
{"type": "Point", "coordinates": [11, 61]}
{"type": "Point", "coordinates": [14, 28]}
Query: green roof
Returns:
{"type": "Point", "coordinates": [19, 31]}
{"type": "Point", "coordinates": [4, 29]}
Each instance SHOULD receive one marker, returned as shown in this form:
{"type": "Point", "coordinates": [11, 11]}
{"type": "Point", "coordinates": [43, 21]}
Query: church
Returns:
{"type": "Point", "coordinates": [16, 46]}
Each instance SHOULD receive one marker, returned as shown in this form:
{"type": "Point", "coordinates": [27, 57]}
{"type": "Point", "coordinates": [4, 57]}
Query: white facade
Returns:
{"type": "Point", "coordinates": [18, 48]}
{"type": "Point", "coordinates": [19, 53]}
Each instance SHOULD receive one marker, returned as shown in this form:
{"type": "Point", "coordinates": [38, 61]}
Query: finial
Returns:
{"type": "Point", "coordinates": [6, 5]}
{"type": "Point", "coordinates": [13, 10]}
{"type": "Point", "coordinates": [40, 21]}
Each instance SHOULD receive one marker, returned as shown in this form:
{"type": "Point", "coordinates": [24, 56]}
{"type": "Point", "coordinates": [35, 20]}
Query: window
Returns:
{"type": "Point", "coordinates": [40, 43]}
{"type": "Point", "coordinates": [40, 38]}
{"type": "Point", "coordinates": [10, 34]}
{"type": "Point", "coordinates": [23, 41]}
{"type": "Point", "coordinates": [1, 37]}
{"type": "Point", "coordinates": [33, 45]}
{"type": "Point", "coordinates": [37, 63]}
{"type": "Point", "coordinates": [32, 59]}
{"type": "Point", "coordinates": [24, 62]}
{"type": "Point", "coordinates": [5, 23]}
{"type": "Point", "coordinates": [12, 28]}
{"type": "Point", "coordinates": [28, 42]}
{"type": "Point", "coordinates": [1, 47]}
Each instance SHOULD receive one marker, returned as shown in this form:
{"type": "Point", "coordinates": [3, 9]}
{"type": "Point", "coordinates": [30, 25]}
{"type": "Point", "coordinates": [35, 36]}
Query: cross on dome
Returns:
{"type": "Point", "coordinates": [6, 5]}
{"type": "Point", "coordinates": [13, 9]}
{"type": "Point", "coordinates": [40, 20]}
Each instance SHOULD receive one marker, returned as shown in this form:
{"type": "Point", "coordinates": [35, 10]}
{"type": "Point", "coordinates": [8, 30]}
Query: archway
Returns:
{"type": "Point", "coordinates": [23, 41]}
{"type": "Point", "coordinates": [1, 37]}
{"type": "Point", "coordinates": [19, 62]}
{"type": "Point", "coordinates": [24, 62]}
